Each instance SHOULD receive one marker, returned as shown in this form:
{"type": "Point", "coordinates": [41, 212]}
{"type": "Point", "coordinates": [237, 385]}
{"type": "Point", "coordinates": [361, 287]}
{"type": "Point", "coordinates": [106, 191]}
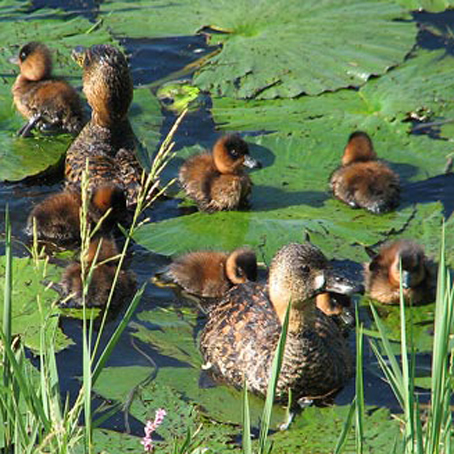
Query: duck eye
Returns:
{"type": "Point", "coordinates": [234, 153]}
{"type": "Point", "coordinates": [305, 268]}
{"type": "Point", "coordinates": [23, 55]}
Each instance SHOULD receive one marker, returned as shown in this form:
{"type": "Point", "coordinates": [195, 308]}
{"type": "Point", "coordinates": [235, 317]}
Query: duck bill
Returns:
{"type": "Point", "coordinates": [14, 60]}
{"type": "Point", "coordinates": [252, 163]}
{"type": "Point", "coordinates": [406, 279]}
{"type": "Point", "coordinates": [78, 55]}
{"type": "Point", "coordinates": [336, 283]}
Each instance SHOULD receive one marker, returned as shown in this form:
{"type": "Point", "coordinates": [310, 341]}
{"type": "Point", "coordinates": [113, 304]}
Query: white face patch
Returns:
{"type": "Point", "coordinates": [319, 281]}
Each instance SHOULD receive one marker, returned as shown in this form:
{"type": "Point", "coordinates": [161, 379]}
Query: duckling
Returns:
{"type": "Point", "coordinates": [241, 335]}
{"type": "Point", "coordinates": [45, 101]}
{"type": "Point", "coordinates": [382, 276]}
{"type": "Point", "coordinates": [210, 274]}
{"type": "Point", "coordinates": [57, 217]}
{"type": "Point", "coordinates": [71, 284]}
{"type": "Point", "coordinates": [216, 181]}
{"type": "Point", "coordinates": [107, 140]}
{"type": "Point", "coordinates": [362, 181]}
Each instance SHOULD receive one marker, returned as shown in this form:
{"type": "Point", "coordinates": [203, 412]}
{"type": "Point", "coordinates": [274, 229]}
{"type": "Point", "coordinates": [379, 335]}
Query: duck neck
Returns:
{"type": "Point", "coordinates": [301, 320]}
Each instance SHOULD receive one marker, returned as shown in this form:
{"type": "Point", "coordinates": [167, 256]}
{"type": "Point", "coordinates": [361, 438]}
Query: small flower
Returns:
{"type": "Point", "coordinates": [151, 427]}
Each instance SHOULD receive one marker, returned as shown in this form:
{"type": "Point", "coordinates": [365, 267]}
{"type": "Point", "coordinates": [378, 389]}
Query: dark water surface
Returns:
{"type": "Point", "coordinates": [152, 60]}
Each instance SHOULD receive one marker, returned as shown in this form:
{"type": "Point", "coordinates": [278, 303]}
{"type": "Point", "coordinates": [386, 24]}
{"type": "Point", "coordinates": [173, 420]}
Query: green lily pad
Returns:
{"type": "Point", "coordinates": [423, 83]}
{"type": "Point", "coordinates": [277, 48]}
{"type": "Point", "coordinates": [178, 96]}
{"type": "Point", "coordinates": [31, 157]}
{"type": "Point", "coordinates": [146, 119]}
{"type": "Point", "coordinates": [290, 195]}
{"type": "Point", "coordinates": [173, 335]}
{"type": "Point", "coordinates": [316, 430]}
{"type": "Point", "coordinates": [433, 6]}
{"type": "Point", "coordinates": [33, 305]}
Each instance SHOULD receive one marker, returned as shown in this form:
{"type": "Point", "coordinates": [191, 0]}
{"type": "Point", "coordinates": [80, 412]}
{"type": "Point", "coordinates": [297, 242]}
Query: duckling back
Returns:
{"type": "Point", "coordinates": [364, 182]}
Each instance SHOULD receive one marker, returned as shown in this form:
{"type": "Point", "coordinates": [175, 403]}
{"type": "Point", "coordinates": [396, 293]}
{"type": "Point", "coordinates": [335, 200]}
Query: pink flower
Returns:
{"type": "Point", "coordinates": [151, 427]}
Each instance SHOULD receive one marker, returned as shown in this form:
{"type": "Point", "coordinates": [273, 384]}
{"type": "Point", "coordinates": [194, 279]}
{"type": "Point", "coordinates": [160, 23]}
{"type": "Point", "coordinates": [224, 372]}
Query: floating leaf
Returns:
{"type": "Point", "coordinates": [290, 195]}
{"type": "Point", "coordinates": [434, 6]}
{"type": "Point", "coordinates": [33, 304]}
{"type": "Point", "coordinates": [277, 48]}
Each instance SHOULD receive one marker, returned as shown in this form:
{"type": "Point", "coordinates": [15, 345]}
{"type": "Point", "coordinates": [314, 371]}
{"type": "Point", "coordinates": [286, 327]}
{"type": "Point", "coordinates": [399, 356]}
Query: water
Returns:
{"type": "Point", "coordinates": [151, 60]}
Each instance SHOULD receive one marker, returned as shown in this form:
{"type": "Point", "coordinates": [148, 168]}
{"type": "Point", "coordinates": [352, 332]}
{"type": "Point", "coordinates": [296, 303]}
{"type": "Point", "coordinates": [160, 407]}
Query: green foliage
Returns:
{"type": "Point", "coordinates": [288, 33]}
{"type": "Point", "coordinates": [434, 6]}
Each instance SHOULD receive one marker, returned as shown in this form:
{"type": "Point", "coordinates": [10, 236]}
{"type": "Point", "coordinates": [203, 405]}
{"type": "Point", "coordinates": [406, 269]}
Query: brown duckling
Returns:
{"type": "Point", "coordinates": [58, 216]}
{"type": "Point", "coordinates": [71, 284]}
{"type": "Point", "coordinates": [362, 181]}
{"type": "Point", "coordinates": [240, 338]}
{"type": "Point", "coordinates": [382, 276]}
{"type": "Point", "coordinates": [45, 101]}
{"type": "Point", "coordinates": [107, 140]}
{"type": "Point", "coordinates": [210, 274]}
{"type": "Point", "coordinates": [216, 181]}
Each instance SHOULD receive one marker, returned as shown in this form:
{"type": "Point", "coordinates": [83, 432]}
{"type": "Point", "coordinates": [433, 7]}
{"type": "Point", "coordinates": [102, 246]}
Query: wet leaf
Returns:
{"type": "Point", "coordinates": [33, 304]}
{"type": "Point", "coordinates": [290, 195]}
{"type": "Point", "coordinates": [434, 6]}
{"type": "Point", "coordinates": [316, 430]}
{"type": "Point", "coordinates": [273, 48]}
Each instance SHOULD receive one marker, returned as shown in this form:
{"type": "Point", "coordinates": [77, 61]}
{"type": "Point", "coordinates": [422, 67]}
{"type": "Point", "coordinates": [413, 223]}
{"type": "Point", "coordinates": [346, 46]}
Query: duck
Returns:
{"type": "Point", "coordinates": [57, 218]}
{"type": "Point", "coordinates": [210, 274]}
{"type": "Point", "coordinates": [216, 181]}
{"type": "Point", "coordinates": [104, 250]}
{"type": "Point", "coordinates": [362, 181]}
{"type": "Point", "coordinates": [382, 276]}
{"type": "Point", "coordinates": [107, 141]}
{"type": "Point", "coordinates": [239, 340]}
{"type": "Point", "coordinates": [47, 102]}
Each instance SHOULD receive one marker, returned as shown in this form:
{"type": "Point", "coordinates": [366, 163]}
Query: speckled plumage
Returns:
{"type": "Point", "coordinates": [107, 141]}
{"type": "Point", "coordinates": [44, 100]}
{"type": "Point", "coordinates": [382, 276]}
{"type": "Point", "coordinates": [216, 181]}
{"type": "Point", "coordinates": [242, 332]}
{"type": "Point", "coordinates": [362, 181]}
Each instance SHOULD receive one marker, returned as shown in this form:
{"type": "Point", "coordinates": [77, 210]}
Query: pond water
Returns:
{"type": "Point", "coordinates": [152, 60]}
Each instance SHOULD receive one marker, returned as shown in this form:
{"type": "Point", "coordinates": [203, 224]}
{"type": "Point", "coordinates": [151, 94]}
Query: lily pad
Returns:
{"type": "Point", "coordinates": [423, 83]}
{"type": "Point", "coordinates": [277, 48]}
{"type": "Point", "coordinates": [174, 335]}
{"type": "Point", "coordinates": [433, 6]}
{"type": "Point", "coordinates": [317, 430]}
{"type": "Point", "coordinates": [33, 304]}
{"type": "Point", "coordinates": [290, 195]}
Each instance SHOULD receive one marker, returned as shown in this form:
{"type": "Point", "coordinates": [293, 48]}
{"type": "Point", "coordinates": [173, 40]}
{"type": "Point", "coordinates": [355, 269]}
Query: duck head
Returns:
{"type": "Point", "coordinates": [231, 153]}
{"type": "Point", "coordinates": [107, 82]}
{"type": "Point", "coordinates": [241, 266]}
{"type": "Point", "coordinates": [359, 149]}
{"type": "Point", "coordinates": [298, 273]}
{"type": "Point", "coordinates": [410, 255]}
{"type": "Point", "coordinates": [34, 60]}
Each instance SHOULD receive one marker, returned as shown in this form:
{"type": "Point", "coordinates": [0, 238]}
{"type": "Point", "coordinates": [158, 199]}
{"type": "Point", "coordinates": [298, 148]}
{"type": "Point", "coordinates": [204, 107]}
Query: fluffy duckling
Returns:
{"type": "Point", "coordinates": [57, 217]}
{"type": "Point", "coordinates": [362, 181]}
{"type": "Point", "coordinates": [240, 338]}
{"type": "Point", "coordinates": [107, 140]}
{"type": "Point", "coordinates": [216, 181]}
{"type": "Point", "coordinates": [210, 274]}
{"type": "Point", "coordinates": [71, 284]}
{"type": "Point", "coordinates": [45, 101]}
{"type": "Point", "coordinates": [382, 276]}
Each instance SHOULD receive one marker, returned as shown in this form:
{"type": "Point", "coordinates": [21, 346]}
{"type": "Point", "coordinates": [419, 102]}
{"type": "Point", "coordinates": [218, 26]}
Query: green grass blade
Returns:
{"type": "Point", "coordinates": [275, 371]}
{"type": "Point", "coordinates": [247, 445]}
{"type": "Point", "coordinates": [116, 335]}
{"type": "Point", "coordinates": [346, 428]}
{"type": "Point", "coordinates": [359, 387]}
